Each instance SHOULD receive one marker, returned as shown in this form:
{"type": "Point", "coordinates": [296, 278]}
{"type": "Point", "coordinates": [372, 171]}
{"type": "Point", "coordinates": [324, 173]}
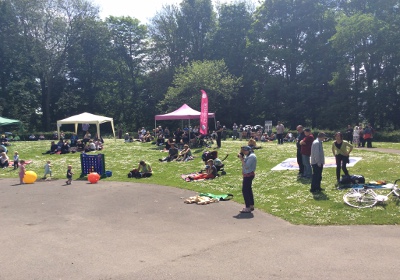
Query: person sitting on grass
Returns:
{"type": "Point", "coordinates": [80, 146]}
{"type": "Point", "coordinates": [253, 144]}
{"type": "Point", "coordinates": [53, 148]}
{"type": "Point", "coordinates": [144, 170]}
{"type": "Point", "coordinates": [74, 139]}
{"type": "Point", "coordinates": [160, 140]}
{"type": "Point", "coordinates": [4, 160]}
{"type": "Point", "coordinates": [99, 145]}
{"type": "Point", "coordinates": [4, 140]}
{"type": "Point", "coordinates": [32, 137]}
{"type": "Point", "coordinates": [168, 143]}
{"type": "Point", "coordinates": [87, 137]}
{"type": "Point", "coordinates": [185, 154]}
{"type": "Point", "coordinates": [127, 138]}
{"type": "Point", "coordinates": [91, 146]}
{"type": "Point", "coordinates": [147, 137]}
{"type": "Point", "coordinates": [211, 172]}
{"type": "Point", "coordinates": [172, 154]}
{"type": "Point", "coordinates": [65, 148]}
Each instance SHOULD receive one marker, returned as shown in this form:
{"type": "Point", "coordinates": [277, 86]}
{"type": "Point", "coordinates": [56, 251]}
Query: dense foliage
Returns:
{"type": "Point", "coordinates": [325, 63]}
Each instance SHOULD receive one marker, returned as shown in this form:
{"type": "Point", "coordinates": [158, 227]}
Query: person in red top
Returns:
{"type": "Point", "coordinates": [306, 144]}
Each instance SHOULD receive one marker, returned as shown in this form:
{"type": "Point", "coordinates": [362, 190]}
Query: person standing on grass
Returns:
{"type": "Point", "coordinates": [16, 160]}
{"type": "Point", "coordinates": [300, 136]}
{"type": "Point", "coordinates": [341, 150]}
{"type": "Point", "coordinates": [249, 164]}
{"type": "Point", "coordinates": [306, 152]}
{"type": "Point", "coordinates": [241, 130]}
{"type": "Point", "coordinates": [349, 134]}
{"type": "Point", "coordinates": [219, 130]}
{"type": "Point", "coordinates": [356, 136]}
{"type": "Point", "coordinates": [317, 162]}
{"type": "Point", "coordinates": [280, 129]}
{"type": "Point", "coordinates": [368, 135]}
{"type": "Point", "coordinates": [234, 131]}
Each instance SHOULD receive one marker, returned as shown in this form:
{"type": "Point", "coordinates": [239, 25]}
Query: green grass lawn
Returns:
{"type": "Point", "coordinates": [279, 193]}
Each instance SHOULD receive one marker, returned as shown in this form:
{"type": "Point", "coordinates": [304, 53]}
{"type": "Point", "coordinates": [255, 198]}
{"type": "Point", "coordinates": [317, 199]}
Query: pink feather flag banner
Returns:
{"type": "Point", "coordinates": [204, 113]}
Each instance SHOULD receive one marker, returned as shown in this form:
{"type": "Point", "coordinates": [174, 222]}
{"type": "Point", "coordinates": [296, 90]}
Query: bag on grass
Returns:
{"type": "Point", "coordinates": [133, 173]}
{"type": "Point", "coordinates": [345, 180]}
{"type": "Point", "coordinates": [357, 179]}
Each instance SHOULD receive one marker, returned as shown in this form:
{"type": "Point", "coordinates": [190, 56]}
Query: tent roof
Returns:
{"type": "Point", "coordinates": [85, 118]}
{"type": "Point", "coordinates": [183, 113]}
{"type": "Point", "coordinates": [5, 121]}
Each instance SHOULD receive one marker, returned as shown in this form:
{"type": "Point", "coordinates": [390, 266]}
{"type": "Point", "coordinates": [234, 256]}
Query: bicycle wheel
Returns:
{"type": "Point", "coordinates": [360, 199]}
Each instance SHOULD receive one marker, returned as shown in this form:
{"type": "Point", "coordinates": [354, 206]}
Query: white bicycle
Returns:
{"type": "Point", "coordinates": [366, 197]}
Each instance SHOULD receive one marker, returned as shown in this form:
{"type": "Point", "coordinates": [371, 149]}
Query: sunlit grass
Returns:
{"type": "Point", "coordinates": [279, 193]}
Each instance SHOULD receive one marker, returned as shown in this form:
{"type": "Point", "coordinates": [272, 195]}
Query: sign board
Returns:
{"type": "Point", "coordinates": [268, 126]}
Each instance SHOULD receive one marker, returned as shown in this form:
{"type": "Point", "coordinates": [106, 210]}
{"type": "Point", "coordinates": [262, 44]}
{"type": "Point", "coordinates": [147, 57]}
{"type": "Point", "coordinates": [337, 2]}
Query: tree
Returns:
{"type": "Point", "coordinates": [211, 76]}
{"type": "Point", "coordinates": [359, 39]}
{"type": "Point", "coordinates": [196, 23]}
{"type": "Point", "coordinates": [288, 42]}
{"type": "Point", "coordinates": [230, 39]}
{"type": "Point", "coordinates": [130, 55]}
{"type": "Point", "coordinates": [47, 27]}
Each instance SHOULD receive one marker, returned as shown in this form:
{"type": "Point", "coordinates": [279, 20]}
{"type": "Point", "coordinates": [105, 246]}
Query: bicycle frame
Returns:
{"type": "Point", "coordinates": [367, 197]}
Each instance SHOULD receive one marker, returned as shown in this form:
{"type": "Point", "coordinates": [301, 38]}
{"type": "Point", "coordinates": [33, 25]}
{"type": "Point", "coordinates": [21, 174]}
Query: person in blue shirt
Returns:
{"type": "Point", "coordinates": [249, 164]}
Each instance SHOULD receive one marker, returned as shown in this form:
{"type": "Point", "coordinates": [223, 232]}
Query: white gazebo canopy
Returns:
{"type": "Point", "coordinates": [86, 118]}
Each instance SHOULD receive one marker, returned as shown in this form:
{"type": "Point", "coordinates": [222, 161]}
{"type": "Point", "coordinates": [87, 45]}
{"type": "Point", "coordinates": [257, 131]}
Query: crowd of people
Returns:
{"type": "Point", "coordinates": [310, 152]}
{"type": "Point", "coordinates": [359, 135]}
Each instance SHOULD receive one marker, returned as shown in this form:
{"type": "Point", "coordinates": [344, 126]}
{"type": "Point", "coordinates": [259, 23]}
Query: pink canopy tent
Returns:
{"type": "Point", "coordinates": [183, 113]}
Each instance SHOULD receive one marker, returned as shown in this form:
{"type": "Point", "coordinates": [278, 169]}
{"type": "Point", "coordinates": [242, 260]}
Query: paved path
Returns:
{"type": "Point", "coordinates": [381, 150]}
{"type": "Point", "coordinates": [114, 230]}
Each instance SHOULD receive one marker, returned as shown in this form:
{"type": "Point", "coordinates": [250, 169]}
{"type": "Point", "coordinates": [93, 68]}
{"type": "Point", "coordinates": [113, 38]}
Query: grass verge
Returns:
{"type": "Point", "coordinates": [279, 193]}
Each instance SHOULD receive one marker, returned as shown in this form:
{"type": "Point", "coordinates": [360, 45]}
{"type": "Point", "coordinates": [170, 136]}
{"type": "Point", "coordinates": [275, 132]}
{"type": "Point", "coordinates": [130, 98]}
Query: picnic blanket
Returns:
{"type": "Point", "coordinates": [291, 163]}
{"type": "Point", "coordinates": [370, 185]}
{"type": "Point", "coordinates": [185, 177]}
{"type": "Point", "coordinates": [11, 163]}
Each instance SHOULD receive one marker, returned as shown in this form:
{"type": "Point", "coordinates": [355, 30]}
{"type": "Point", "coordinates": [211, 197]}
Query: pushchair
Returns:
{"type": "Point", "coordinates": [217, 162]}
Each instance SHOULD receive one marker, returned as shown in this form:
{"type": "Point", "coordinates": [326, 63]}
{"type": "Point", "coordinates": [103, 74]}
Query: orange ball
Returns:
{"type": "Point", "coordinates": [93, 177]}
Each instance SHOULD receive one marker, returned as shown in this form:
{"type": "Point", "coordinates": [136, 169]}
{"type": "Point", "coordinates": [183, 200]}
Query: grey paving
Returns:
{"type": "Point", "coordinates": [114, 230]}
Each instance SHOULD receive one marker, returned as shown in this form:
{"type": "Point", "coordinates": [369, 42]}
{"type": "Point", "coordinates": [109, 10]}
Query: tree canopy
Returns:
{"type": "Point", "coordinates": [325, 63]}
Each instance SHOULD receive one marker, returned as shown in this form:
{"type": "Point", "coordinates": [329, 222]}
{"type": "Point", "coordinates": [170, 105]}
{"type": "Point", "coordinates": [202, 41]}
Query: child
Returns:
{"type": "Point", "coordinates": [47, 169]}
{"type": "Point", "coordinates": [21, 171]}
{"type": "Point", "coordinates": [16, 160]}
{"type": "Point", "coordinates": [69, 175]}
{"type": "Point", "coordinates": [211, 172]}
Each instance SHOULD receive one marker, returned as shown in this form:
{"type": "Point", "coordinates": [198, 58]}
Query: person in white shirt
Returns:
{"type": "Point", "coordinates": [317, 163]}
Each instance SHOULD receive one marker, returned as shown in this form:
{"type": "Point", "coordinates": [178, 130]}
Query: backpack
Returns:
{"type": "Point", "coordinates": [357, 179]}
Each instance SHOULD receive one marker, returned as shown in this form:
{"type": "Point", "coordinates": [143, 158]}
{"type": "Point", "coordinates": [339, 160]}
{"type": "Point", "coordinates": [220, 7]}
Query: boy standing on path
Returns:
{"type": "Point", "coordinates": [69, 175]}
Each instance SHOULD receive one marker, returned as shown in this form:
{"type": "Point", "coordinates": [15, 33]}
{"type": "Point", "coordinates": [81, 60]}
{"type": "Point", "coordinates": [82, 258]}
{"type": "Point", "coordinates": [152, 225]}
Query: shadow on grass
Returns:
{"type": "Point", "coordinates": [320, 196]}
{"type": "Point", "coordinates": [304, 181]}
{"type": "Point", "coordinates": [159, 148]}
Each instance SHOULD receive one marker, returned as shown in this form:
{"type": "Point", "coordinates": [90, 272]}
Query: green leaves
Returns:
{"type": "Point", "coordinates": [212, 76]}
